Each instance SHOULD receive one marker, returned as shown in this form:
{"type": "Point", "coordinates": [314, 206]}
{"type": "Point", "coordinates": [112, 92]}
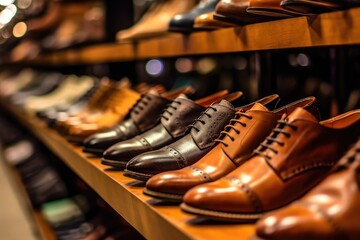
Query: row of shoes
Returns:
{"type": "Point", "coordinates": [221, 159]}
{"type": "Point", "coordinates": [71, 215]}
{"type": "Point", "coordinates": [192, 15]}
{"type": "Point", "coordinates": [42, 25]}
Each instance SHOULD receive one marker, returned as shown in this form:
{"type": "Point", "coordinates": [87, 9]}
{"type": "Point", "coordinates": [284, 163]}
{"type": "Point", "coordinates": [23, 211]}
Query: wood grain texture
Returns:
{"type": "Point", "coordinates": [328, 29]}
{"type": "Point", "coordinates": [151, 218]}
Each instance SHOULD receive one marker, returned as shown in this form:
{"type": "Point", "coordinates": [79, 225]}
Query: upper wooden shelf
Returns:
{"type": "Point", "coordinates": [328, 29]}
{"type": "Point", "coordinates": [152, 218]}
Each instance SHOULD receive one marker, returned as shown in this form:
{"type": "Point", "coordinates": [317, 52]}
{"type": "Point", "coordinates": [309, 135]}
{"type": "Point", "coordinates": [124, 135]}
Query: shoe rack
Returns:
{"type": "Point", "coordinates": [43, 228]}
{"type": "Point", "coordinates": [151, 218]}
{"type": "Point", "coordinates": [327, 29]}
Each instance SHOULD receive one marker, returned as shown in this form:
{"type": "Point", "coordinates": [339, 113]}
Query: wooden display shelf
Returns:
{"type": "Point", "coordinates": [328, 29]}
{"type": "Point", "coordinates": [42, 227]}
{"type": "Point", "coordinates": [152, 218]}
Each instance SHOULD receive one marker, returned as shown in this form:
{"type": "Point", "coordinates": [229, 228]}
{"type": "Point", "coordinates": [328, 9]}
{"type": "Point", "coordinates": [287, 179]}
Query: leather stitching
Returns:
{"type": "Point", "coordinates": [303, 168]}
{"type": "Point", "coordinates": [201, 173]}
{"type": "Point", "coordinates": [177, 156]}
{"type": "Point", "coordinates": [254, 199]}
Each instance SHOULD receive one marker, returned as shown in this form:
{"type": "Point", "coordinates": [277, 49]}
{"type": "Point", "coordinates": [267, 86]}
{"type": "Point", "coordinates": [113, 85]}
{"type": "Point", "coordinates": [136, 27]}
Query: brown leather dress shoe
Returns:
{"type": "Point", "coordinates": [207, 21]}
{"type": "Point", "coordinates": [296, 156]}
{"type": "Point", "coordinates": [122, 100]}
{"type": "Point", "coordinates": [270, 8]}
{"type": "Point", "coordinates": [244, 133]}
{"type": "Point", "coordinates": [331, 211]}
{"type": "Point", "coordinates": [234, 11]}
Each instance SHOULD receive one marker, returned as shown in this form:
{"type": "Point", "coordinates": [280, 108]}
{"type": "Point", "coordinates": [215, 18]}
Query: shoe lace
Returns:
{"type": "Point", "coordinates": [200, 119]}
{"type": "Point", "coordinates": [348, 159]}
{"type": "Point", "coordinates": [280, 129]}
{"type": "Point", "coordinates": [170, 109]}
{"type": "Point", "coordinates": [140, 104]}
{"type": "Point", "coordinates": [239, 115]}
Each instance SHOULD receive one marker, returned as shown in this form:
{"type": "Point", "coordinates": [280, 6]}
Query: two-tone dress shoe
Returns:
{"type": "Point", "coordinates": [251, 125]}
{"type": "Point", "coordinates": [294, 158]}
{"type": "Point", "coordinates": [185, 22]}
{"type": "Point", "coordinates": [173, 125]}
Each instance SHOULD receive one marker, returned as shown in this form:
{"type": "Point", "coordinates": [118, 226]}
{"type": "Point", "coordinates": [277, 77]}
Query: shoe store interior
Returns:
{"type": "Point", "coordinates": [180, 119]}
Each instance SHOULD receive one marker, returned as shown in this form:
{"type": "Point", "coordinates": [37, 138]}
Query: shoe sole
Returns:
{"type": "Point", "coordinates": [138, 176]}
{"type": "Point", "coordinates": [228, 20]}
{"type": "Point", "coordinates": [164, 196]}
{"type": "Point", "coordinates": [75, 139]}
{"type": "Point", "coordinates": [223, 216]}
{"type": "Point", "coordinates": [113, 163]}
{"type": "Point", "coordinates": [95, 151]}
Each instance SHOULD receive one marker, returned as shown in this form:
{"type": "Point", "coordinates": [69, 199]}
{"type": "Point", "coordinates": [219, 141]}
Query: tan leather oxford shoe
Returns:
{"type": "Point", "coordinates": [294, 158]}
{"type": "Point", "coordinates": [331, 211]}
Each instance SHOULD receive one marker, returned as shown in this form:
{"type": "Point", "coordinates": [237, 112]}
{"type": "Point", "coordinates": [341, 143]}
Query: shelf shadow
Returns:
{"type": "Point", "coordinates": [136, 184]}
{"type": "Point", "coordinates": [159, 202]}
{"type": "Point", "coordinates": [203, 221]}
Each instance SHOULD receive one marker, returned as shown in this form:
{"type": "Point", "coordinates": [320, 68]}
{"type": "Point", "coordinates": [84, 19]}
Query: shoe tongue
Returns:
{"type": "Point", "coordinates": [301, 113]}
{"type": "Point", "coordinates": [226, 103]}
{"type": "Point", "coordinates": [259, 107]}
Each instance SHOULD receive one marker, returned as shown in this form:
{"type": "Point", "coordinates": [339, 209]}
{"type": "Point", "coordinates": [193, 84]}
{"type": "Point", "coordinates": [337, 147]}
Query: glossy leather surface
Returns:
{"type": "Point", "coordinates": [234, 11]}
{"type": "Point", "coordinates": [144, 115]}
{"type": "Point", "coordinates": [315, 7]}
{"type": "Point", "coordinates": [330, 211]}
{"type": "Point", "coordinates": [298, 154]}
{"type": "Point", "coordinates": [185, 22]}
{"type": "Point", "coordinates": [174, 122]}
{"type": "Point", "coordinates": [186, 150]}
{"type": "Point", "coordinates": [207, 21]}
{"type": "Point", "coordinates": [246, 130]}
{"type": "Point", "coordinates": [270, 8]}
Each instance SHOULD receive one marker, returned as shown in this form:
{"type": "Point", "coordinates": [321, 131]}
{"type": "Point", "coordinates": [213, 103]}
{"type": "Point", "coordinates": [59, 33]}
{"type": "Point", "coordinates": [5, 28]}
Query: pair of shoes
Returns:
{"type": "Point", "coordinates": [173, 125]}
{"type": "Point", "coordinates": [143, 115]}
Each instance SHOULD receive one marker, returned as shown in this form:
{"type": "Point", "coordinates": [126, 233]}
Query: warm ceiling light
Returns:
{"type": "Point", "coordinates": [19, 29]}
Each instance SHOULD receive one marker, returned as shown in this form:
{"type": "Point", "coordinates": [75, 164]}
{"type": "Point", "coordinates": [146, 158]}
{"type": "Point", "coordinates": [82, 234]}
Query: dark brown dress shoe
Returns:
{"type": "Point", "coordinates": [234, 11]}
{"type": "Point", "coordinates": [144, 115]}
{"type": "Point", "coordinates": [187, 150]}
{"type": "Point", "coordinates": [310, 7]}
{"type": "Point", "coordinates": [173, 124]}
{"type": "Point", "coordinates": [270, 8]}
{"type": "Point", "coordinates": [331, 211]}
{"type": "Point", "coordinates": [245, 132]}
{"type": "Point", "coordinates": [294, 158]}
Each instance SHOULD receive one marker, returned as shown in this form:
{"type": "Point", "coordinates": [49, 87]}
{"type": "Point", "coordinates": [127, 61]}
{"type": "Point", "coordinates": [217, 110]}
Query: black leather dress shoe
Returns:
{"type": "Point", "coordinates": [192, 147]}
{"type": "Point", "coordinates": [143, 116]}
{"type": "Point", "coordinates": [173, 125]}
{"type": "Point", "coordinates": [185, 22]}
{"type": "Point", "coordinates": [188, 149]}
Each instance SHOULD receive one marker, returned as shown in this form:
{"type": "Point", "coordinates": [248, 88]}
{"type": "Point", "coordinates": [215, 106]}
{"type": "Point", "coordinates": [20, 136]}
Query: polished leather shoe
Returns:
{"type": "Point", "coordinates": [173, 124]}
{"type": "Point", "coordinates": [187, 150]}
{"type": "Point", "coordinates": [185, 22]}
{"type": "Point", "coordinates": [316, 7]}
{"type": "Point", "coordinates": [156, 20]}
{"type": "Point", "coordinates": [144, 115]}
{"type": "Point", "coordinates": [294, 158]}
{"type": "Point", "coordinates": [234, 11]}
{"type": "Point", "coordinates": [236, 144]}
{"type": "Point", "coordinates": [114, 113]}
{"type": "Point", "coordinates": [330, 211]}
{"type": "Point", "coordinates": [207, 21]}
{"type": "Point", "coordinates": [270, 8]}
